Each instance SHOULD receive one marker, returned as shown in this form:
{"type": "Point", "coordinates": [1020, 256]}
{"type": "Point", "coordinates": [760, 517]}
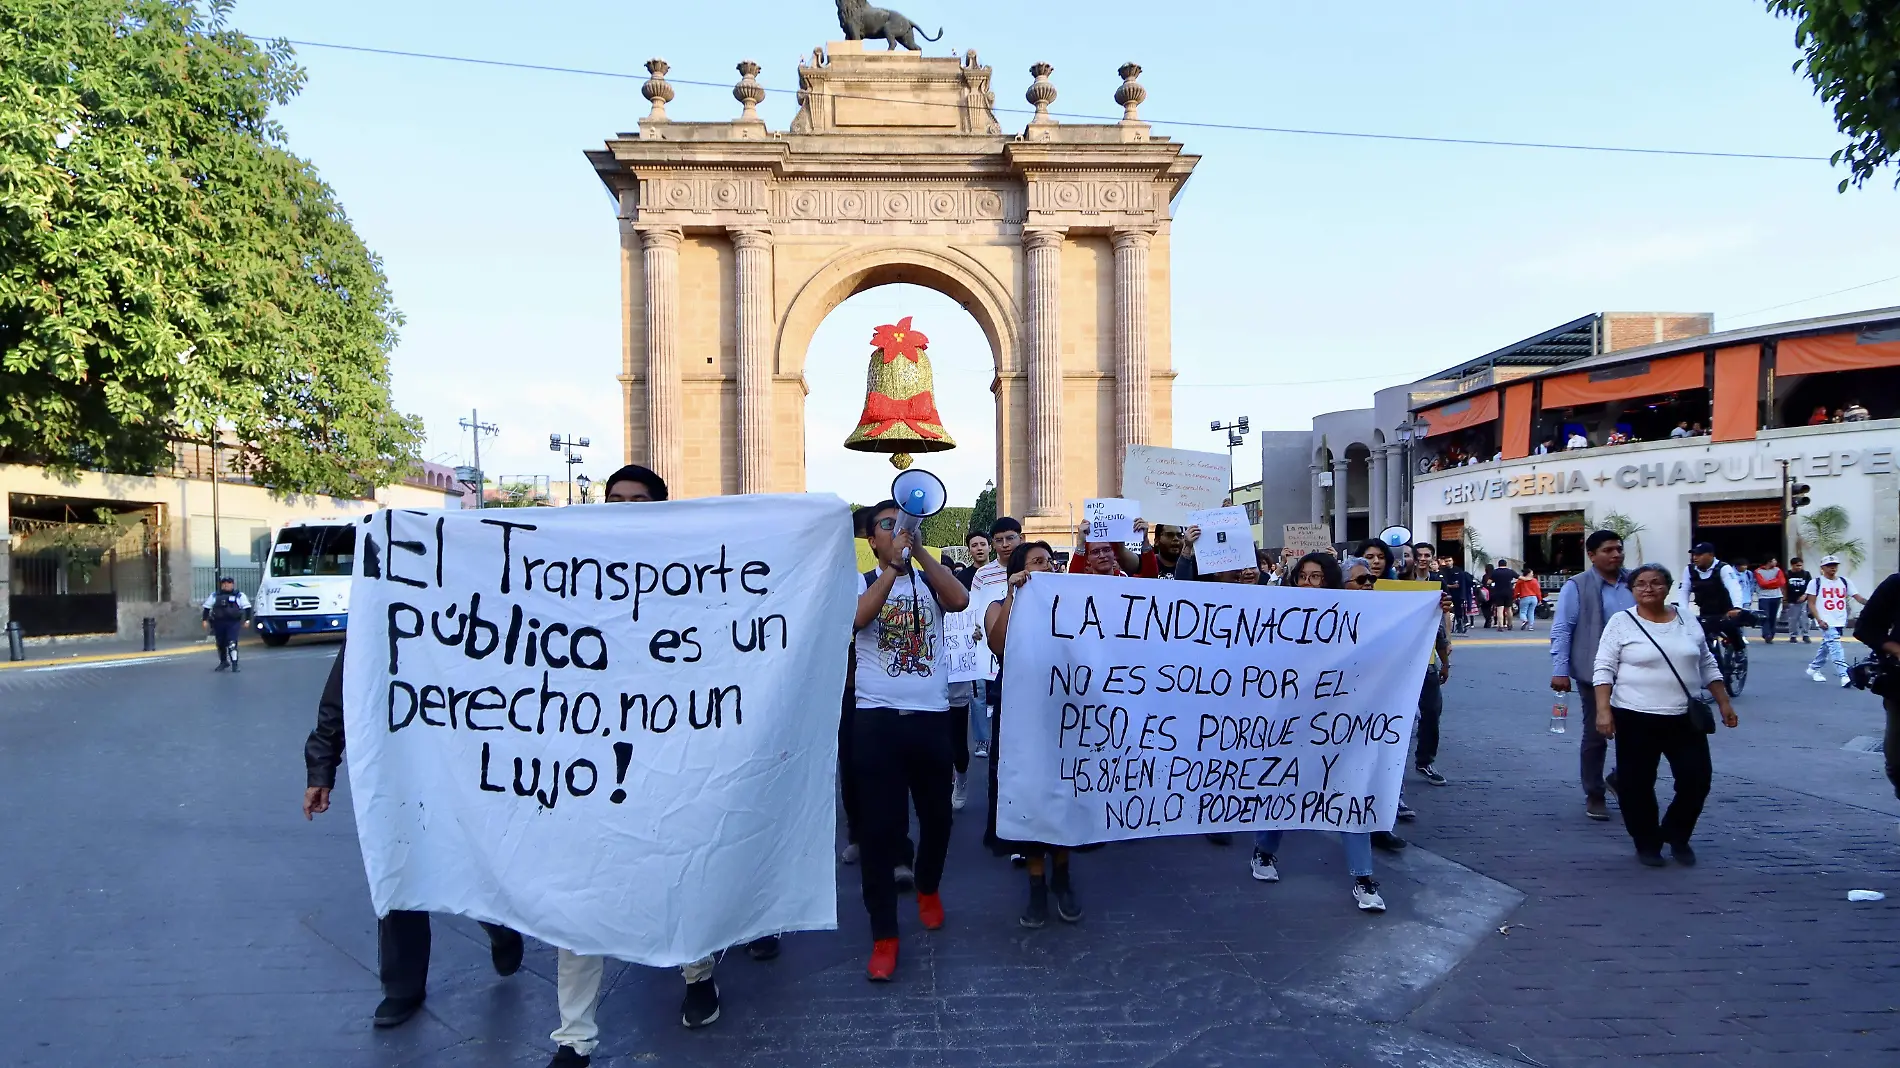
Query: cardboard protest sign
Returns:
{"type": "Point", "coordinates": [603, 726]}
{"type": "Point", "coordinates": [1170, 483]}
{"type": "Point", "coordinates": [1226, 541]}
{"type": "Point", "coordinates": [1305, 538]}
{"type": "Point", "coordinates": [1132, 709]}
{"type": "Point", "coordinates": [965, 647]}
{"type": "Point", "coordinates": [1111, 518]}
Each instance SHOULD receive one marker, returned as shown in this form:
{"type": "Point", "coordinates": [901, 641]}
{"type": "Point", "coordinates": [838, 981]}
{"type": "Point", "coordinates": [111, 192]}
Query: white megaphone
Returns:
{"type": "Point", "coordinates": [1396, 536]}
{"type": "Point", "coordinates": [919, 495]}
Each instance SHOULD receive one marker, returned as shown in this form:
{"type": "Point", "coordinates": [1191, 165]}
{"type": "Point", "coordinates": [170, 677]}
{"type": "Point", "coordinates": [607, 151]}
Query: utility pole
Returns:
{"type": "Point", "coordinates": [477, 428]}
{"type": "Point", "coordinates": [1234, 430]}
{"type": "Point", "coordinates": [558, 442]}
{"type": "Point", "coordinates": [217, 537]}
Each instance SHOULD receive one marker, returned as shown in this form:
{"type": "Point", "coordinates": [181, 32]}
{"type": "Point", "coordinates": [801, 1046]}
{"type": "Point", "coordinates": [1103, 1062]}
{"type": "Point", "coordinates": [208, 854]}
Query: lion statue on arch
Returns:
{"type": "Point", "coordinates": [862, 22]}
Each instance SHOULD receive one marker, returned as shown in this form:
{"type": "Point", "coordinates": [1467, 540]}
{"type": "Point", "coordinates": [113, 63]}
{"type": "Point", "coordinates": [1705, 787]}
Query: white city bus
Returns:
{"type": "Point", "coordinates": [306, 587]}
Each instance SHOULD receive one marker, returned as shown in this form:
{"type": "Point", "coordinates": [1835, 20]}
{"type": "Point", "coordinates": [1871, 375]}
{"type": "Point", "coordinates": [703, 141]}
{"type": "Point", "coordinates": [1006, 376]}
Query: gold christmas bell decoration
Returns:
{"type": "Point", "coordinates": [900, 408]}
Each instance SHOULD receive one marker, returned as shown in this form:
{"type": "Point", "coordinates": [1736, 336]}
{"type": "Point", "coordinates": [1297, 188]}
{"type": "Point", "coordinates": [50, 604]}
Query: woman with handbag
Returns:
{"type": "Point", "coordinates": [1644, 661]}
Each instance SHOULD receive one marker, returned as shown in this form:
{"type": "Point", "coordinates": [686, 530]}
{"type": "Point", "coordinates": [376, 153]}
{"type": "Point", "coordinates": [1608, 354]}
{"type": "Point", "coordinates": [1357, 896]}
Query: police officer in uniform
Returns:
{"type": "Point", "coordinates": [1716, 591]}
{"type": "Point", "coordinates": [224, 615]}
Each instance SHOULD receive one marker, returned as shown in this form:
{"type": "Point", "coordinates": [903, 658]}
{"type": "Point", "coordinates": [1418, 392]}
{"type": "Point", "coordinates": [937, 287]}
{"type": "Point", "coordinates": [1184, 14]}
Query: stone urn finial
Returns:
{"type": "Point", "coordinates": [1041, 92]}
{"type": "Point", "coordinates": [749, 92]}
{"type": "Point", "coordinates": [1131, 94]}
{"type": "Point", "coordinates": [657, 92]}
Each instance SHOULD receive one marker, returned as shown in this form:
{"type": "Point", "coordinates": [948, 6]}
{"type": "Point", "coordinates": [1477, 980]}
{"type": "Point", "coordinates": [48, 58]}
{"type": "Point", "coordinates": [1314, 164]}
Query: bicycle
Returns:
{"type": "Point", "coordinates": [1731, 659]}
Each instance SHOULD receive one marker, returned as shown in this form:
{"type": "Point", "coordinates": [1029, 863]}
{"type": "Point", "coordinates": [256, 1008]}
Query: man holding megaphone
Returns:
{"type": "Point", "coordinates": [902, 736]}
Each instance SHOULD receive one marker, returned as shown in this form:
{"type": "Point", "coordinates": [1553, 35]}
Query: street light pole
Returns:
{"type": "Point", "coordinates": [556, 443]}
{"type": "Point", "coordinates": [1236, 431]}
{"type": "Point", "coordinates": [474, 423]}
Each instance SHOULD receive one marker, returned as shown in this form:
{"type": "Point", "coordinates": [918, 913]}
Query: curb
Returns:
{"type": "Point", "coordinates": [105, 658]}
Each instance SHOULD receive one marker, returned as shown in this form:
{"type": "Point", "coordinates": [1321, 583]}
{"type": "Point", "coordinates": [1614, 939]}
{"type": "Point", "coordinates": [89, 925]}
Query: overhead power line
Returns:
{"type": "Point", "coordinates": [1236, 127]}
{"type": "Point", "coordinates": [1807, 300]}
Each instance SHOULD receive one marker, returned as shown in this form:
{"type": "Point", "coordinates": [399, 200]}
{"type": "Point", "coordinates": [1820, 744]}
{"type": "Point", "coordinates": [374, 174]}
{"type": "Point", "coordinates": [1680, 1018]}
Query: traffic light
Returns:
{"type": "Point", "coordinates": [1797, 497]}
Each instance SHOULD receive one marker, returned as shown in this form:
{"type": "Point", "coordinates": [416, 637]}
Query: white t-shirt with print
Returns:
{"type": "Point", "coordinates": [900, 662]}
{"type": "Point", "coordinates": [1831, 596]}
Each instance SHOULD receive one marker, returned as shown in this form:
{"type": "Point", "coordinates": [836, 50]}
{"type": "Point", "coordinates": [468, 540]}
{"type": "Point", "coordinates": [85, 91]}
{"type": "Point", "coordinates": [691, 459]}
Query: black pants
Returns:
{"type": "Point", "coordinates": [225, 632]}
{"type": "Point", "coordinates": [899, 761]}
{"type": "Point", "coordinates": [960, 740]}
{"type": "Point", "coordinates": [1892, 705]}
{"type": "Point", "coordinates": [1641, 740]}
{"type": "Point", "coordinates": [1431, 705]}
{"type": "Point", "coordinates": [402, 944]}
{"type": "Point", "coordinates": [1594, 746]}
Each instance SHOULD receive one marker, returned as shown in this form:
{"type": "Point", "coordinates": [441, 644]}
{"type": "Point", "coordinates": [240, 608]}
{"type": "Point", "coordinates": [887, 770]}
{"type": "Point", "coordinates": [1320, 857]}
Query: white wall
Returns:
{"type": "Point", "coordinates": [1854, 465]}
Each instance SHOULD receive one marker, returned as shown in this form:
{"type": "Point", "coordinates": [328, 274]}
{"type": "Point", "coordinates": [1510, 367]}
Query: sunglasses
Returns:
{"type": "Point", "coordinates": [1362, 580]}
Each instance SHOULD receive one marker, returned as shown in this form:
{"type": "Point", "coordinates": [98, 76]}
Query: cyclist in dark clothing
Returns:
{"type": "Point", "coordinates": [225, 613]}
{"type": "Point", "coordinates": [1717, 593]}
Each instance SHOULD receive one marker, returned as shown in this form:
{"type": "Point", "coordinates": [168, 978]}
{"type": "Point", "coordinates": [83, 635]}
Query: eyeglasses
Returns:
{"type": "Point", "coordinates": [887, 525]}
{"type": "Point", "coordinates": [1650, 586]}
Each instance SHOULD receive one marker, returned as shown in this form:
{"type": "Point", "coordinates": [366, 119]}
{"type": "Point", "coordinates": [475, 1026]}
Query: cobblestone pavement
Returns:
{"type": "Point", "coordinates": [165, 903]}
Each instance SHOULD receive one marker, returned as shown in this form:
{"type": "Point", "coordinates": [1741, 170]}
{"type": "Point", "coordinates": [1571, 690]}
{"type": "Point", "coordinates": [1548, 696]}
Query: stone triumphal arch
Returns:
{"type": "Point", "coordinates": [737, 240]}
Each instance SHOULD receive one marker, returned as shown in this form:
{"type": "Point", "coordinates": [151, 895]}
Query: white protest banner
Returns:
{"type": "Point", "coordinates": [1111, 518]}
{"type": "Point", "coordinates": [1305, 538]}
{"type": "Point", "coordinates": [1170, 483]}
{"type": "Point", "coordinates": [1133, 709]}
{"type": "Point", "coordinates": [1226, 541]}
{"type": "Point", "coordinates": [965, 646]}
{"type": "Point", "coordinates": [603, 726]}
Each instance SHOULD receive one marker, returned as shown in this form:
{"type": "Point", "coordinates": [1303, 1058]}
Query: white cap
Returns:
{"type": "Point", "coordinates": [1826, 560]}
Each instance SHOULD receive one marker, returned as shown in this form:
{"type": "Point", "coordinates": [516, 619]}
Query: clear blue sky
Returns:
{"type": "Point", "coordinates": [1296, 259]}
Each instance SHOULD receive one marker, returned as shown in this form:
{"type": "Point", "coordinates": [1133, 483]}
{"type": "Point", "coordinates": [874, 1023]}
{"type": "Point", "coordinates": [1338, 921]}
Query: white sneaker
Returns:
{"type": "Point", "coordinates": [1263, 867]}
{"type": "Point", "coordinates": [982, 752]}
{"type": "Point", "coordinates": [1845, 680]}
{"type": "Point", "coordinates": [904, 877]}
{"type": "Point", "coordinates": [1816, 676]}
{"type": "Point", "coordinates": [1365, 893]}
{"type": "Point", "coordinates": [850, 854]}
{"type": "Point", "coordinates": [959, 791]}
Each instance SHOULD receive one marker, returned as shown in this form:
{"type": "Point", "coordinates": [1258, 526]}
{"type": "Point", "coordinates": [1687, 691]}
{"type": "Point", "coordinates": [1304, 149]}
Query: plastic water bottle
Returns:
{"type": "Point", "coordinates": [1559, 711]}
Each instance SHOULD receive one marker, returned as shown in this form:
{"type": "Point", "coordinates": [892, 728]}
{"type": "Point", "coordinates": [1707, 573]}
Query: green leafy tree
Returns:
{"type": "Point", "coordinates": [1629, 532]}
{"type": "Point", "coordinates": [947, 528]}
{"type": "Point", "coordinates": [1850, 49]}
{"type": "Point", "coordinates": [983, 513]}
{"type": "Point", "coordinates": [1826, 529]}
{"type": "Point", "coordinates": [168, 267]}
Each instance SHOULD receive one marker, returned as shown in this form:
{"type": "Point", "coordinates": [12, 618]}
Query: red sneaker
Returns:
{"type": "Point", "coordinates": [930, 911]}
{"type": "Point", "coordinates": [883, 960]}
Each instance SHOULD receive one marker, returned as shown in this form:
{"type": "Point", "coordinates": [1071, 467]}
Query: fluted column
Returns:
{"type": "Point", "coordinates": [1340, 467]}
{"type": "Point", "coordinates": [1131, 341]}
{"type": "Point", "coordinates": [1376, 511]}
{"type": "Point", "coordinates": [1318, 503]}
{"type": "Point", "coordinates": [1398, 476]}
{"type": "Point", "coordinates": [664, 415]}
{"type": "Point", "coordinates": [1042, 271]}
{"type": "Point", "coordinates": [753, 300]}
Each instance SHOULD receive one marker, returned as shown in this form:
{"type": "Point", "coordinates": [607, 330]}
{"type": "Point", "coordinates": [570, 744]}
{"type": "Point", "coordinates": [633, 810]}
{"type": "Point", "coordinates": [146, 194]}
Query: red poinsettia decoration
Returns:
{"type": "Point", "coordinates": [899, 340]}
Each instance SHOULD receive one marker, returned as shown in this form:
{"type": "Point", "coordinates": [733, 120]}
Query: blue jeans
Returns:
{"type": "Point", "coordinates": [1358, 848]}
{"type": "Point", "coordinates": [1769, 609]}
{"type": "Point", "coordinates": [1527, 610]}
{"type": "Point", "coordinates": [980, 717]}
{"type": "Point", "coordinates": [1830, 650]}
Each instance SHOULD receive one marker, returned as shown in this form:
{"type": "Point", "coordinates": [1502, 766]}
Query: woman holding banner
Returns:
{"type": "Point", "coordinates": [1320, 571]}
{"type": "Point", "coordinates": [1029, 558]}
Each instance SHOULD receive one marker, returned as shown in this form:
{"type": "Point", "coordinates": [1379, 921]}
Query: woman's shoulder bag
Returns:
{"type": "Point", "coordinates": [1700, 713]}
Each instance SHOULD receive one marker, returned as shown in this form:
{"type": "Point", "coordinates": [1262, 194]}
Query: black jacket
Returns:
{"type": "Point", "coordinates": [324, 751]}
{"type": "Point", "coordinates": [1880, 618]}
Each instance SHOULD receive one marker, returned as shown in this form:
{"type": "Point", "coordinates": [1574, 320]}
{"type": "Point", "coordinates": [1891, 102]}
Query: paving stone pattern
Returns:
{"type": "Point", "coordinates": [165, 903]}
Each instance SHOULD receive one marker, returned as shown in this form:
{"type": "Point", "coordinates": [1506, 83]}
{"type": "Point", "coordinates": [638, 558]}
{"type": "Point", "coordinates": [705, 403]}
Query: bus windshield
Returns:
{"type": "Point", "coordinates": [314, 551]}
